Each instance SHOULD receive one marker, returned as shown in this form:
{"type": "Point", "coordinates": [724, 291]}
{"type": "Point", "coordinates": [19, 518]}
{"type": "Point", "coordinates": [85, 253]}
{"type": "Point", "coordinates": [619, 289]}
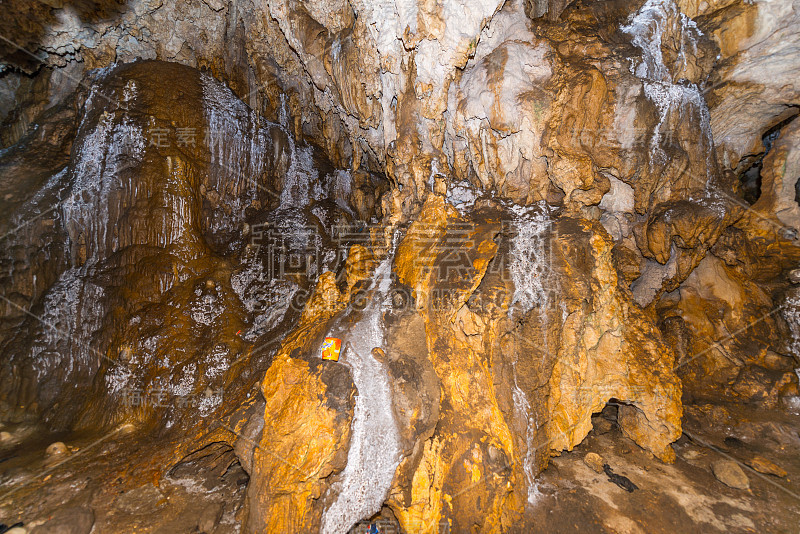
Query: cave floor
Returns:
{"type": "Point", "coordinates": [99, 482]}
{"type": "Point", "coordinates": [113, 481]}
{"type": "Point", "coordinates": [684, 496]}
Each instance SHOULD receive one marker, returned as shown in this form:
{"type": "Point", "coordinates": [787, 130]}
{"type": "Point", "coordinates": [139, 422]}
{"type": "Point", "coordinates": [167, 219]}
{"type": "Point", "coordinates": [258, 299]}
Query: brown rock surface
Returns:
{"type": "Point", "coordinates": [514, 102]}
{"type": "Point", "coordinates": [594, 461]}
{"type": "Point", "coordinates": [776, 212]}
{"type": "Point", "coordinates": [762, 465]}
{"type": "Point", "coordinates": [729, 473]}
{"type": "Point", "coordinates": [171, 182]}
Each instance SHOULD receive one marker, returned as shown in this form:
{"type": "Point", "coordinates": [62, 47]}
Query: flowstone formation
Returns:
{"type": "Point", "coordinates": [514, 215]}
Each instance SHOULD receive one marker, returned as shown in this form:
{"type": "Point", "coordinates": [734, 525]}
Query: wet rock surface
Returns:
{"type": "Point", "coordinates": [105, 488]}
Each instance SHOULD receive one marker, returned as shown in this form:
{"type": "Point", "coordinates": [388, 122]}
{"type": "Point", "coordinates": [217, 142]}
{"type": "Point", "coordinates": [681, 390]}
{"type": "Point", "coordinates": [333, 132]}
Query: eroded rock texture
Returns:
{"type": "Point", "coordinates": [512, 213]}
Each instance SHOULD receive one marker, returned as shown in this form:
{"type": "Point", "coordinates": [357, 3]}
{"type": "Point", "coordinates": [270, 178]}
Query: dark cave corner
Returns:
{"type": "Point", "coordinates": [750, 178]}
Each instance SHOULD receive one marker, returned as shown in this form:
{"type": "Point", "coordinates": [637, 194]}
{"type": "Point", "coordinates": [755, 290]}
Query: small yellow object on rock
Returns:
{"type": "Point", "coordinates": [331, 348]}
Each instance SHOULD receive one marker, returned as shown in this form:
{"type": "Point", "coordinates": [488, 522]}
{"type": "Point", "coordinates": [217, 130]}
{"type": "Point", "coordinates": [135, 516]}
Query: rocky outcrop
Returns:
{"type": "Point", "coordinates": [292, 461]}
{"type": "Point", "coordinates": [465, 473]}
{"type": "Point", "coordinates": [487, 88]}
{"type": "Point", "coordinates": [153, 279]}
{"type": "Point", "coordinates": [756, 72]}
{"type": "Point", "coordinates": [776, 213]}
{"type": "Point", "coordinates": [521, 367]}
{"type": "Point", "coordinates": [497, 102]}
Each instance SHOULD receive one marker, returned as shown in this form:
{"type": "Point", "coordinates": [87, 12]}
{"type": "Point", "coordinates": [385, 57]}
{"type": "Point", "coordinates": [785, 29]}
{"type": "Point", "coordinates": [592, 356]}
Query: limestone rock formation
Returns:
{"type": "Point", "coordinates": [776, 212]}
{"type": "Point", "coordinates": [469, 290]}
{"type": "Point", "coordinates": [167, 176]}
{"type": "Point", "coordinates": [730, 474]}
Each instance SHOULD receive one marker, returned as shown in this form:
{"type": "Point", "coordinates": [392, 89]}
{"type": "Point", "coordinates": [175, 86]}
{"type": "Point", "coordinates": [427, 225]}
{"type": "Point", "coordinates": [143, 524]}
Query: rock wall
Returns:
{"type": "Point", "coordinates": [521, 370]}
{"type": "Point", "coordinates": [419, 88]}
{"type": "Point", "coordinates": [142, 259]}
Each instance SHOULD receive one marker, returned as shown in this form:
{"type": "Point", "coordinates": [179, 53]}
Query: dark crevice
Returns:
{"type": "Point", "coordinates": [215, 467]}
{"type": "Point", "coordinates": [750, 181]}
{"type": "Point", "coordinates": [797, 191]}
{"type": "Point", "coordinates": [750, 178]}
